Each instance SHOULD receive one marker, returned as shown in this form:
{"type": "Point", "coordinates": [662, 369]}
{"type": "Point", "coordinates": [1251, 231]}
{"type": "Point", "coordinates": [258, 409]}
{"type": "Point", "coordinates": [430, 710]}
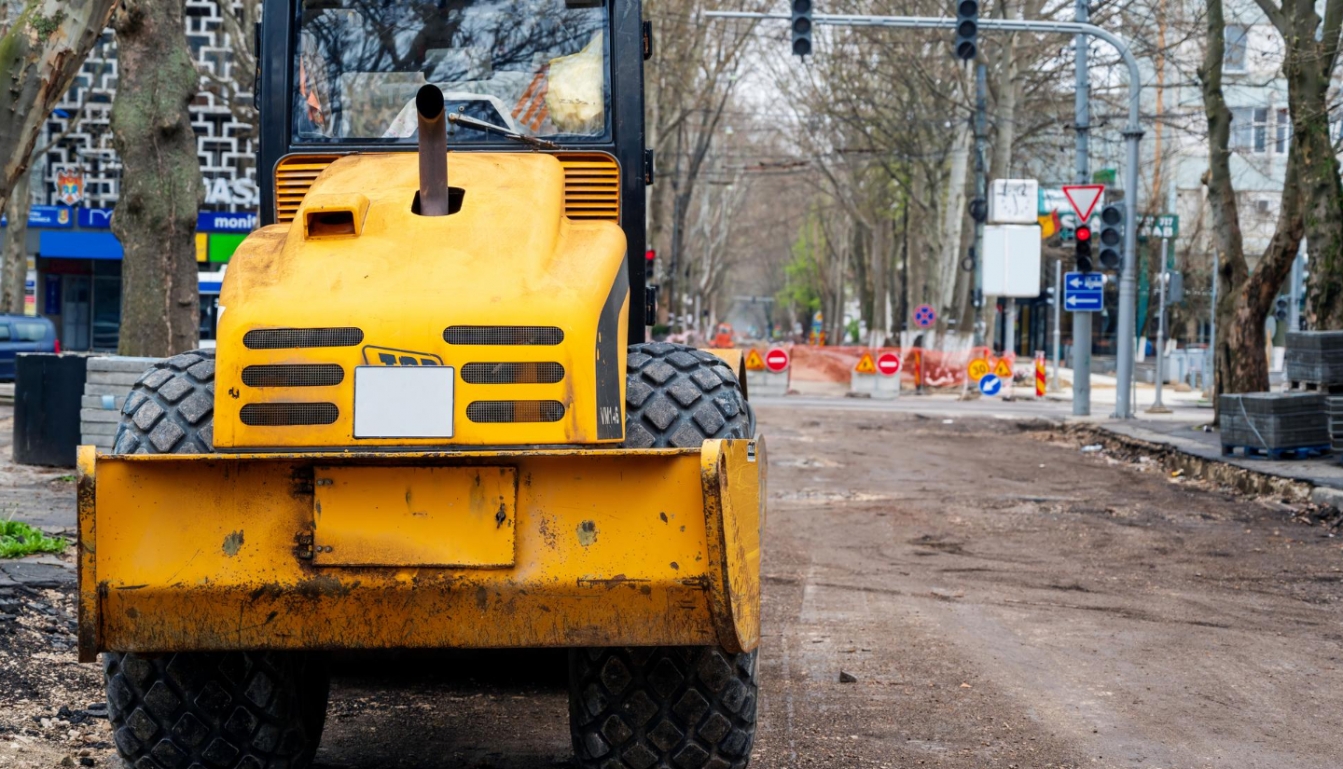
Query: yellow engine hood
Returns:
{"type": "Point", "coordinates": [508, 258]}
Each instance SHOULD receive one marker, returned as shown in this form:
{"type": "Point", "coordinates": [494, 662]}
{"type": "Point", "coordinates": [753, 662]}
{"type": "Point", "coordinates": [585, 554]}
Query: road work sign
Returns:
{"type": "Point", "coordinates": [990, 385]}
{"type": "Point", "coordinates": [866, 365]}
{"type": "Point", "coordinates": [776, 359]}
{"type": "Point", "coordinates": [1083, 291]}
{"type": "Point", "coordinates": [753, 360]}
{"type": "Point", "coordinates": [888, 364]}
{"type": "Point", "coordinates": [1003, 369]}
{"type": "Point", "coordinates": [1083, 198]}
{"type": "Point", "coordinates": [978, 369]}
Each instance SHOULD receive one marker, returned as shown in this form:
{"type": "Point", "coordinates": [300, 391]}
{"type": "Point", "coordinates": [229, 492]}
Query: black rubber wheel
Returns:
{"type": "Point", "coordinates": [668, 707]}
{"type": "Point", "coordinates": [678, 396]}
{"type": "Point", "coordinates": [662, 708]}
{"type": "Point", "coordinates": [253, 710]}
{"type": "Point", "coordinates": [234, 709]}
{"type": "Point", "coordinates": [170, 410]}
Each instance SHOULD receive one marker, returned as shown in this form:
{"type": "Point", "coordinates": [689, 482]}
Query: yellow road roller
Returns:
{"type": "Point", "coordinates": [432, 420]}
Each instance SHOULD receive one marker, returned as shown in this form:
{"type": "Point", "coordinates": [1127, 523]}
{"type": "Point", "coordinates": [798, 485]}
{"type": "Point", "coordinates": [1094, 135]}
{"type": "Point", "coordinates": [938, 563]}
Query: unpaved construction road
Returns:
{"type": "Point", "coordinates": [1000, 598]}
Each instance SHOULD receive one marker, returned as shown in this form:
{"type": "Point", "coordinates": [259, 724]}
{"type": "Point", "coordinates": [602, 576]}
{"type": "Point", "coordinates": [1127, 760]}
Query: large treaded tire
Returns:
{"type": "Point", "coordinates": [668, 707]}
{"type": "Point", "coordinates": [662, 708]}
{"type": "Point", "coordinates": [191, 710]}
{"type": "Point", "coordinates": [170, 410]}
{"type": "Point", "coordinates": [253, 710]}
{"type": "Point", "coordinates": [678, 396]}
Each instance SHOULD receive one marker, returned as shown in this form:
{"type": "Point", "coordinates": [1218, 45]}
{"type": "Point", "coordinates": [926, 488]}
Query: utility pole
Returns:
{"type": "Point", "coordinates": [1058, 317]}
{"type": "Point", "coordinates": [1164, 276]}
{"type": "Point", "coordinates": [1082, 122]}
{"type": "Point", "coordinates": [981, 140]}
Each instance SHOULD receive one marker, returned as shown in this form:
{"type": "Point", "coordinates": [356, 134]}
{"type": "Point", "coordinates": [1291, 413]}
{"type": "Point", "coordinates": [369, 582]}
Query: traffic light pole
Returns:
{"type": "Point", "coordinates": [981, 138]}
{"type": "Point", "coordinates": [1082, 123]}
{"type": "Point", "coordinates": [1128, 284]}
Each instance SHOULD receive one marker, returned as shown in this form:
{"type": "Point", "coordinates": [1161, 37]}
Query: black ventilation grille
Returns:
{"type": "Point", "coordinates": [293, 375]}
{"type": "Point", "coordinates": [503, 335]}
{"type": "Point", "coordinates": [285, 338]}
{"type": "Point", "coordinates": [512, 373]}
{"type": "Point", "coordinates": [515, 411]}
{"type": "Point", "coordinates": [288, 414]}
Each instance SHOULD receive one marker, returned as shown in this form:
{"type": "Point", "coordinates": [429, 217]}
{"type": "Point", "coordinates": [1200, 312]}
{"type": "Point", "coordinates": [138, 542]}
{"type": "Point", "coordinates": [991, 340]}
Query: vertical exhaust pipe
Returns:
{"type": "Point", "coordinates": [433, 132]}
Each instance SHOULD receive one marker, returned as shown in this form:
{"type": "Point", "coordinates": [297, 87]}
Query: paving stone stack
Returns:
{"type": "Point", "coordinates": [106, 386]}
{"type": "Point", "coordinates": [1274, 422]}
{"type": "Point", "coordinates": [1314, 363]}
{"type": "Point", "coordinates": [1314, 360]}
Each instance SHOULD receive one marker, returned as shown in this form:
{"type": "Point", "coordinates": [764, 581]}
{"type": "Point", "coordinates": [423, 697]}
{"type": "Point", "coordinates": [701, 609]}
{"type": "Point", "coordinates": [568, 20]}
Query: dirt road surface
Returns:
{"type": "Point", "coordinates": [998, 597]}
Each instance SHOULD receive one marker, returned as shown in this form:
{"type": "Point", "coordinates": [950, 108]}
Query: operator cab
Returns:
{"type": "Point", "coordinates": [342, 76]}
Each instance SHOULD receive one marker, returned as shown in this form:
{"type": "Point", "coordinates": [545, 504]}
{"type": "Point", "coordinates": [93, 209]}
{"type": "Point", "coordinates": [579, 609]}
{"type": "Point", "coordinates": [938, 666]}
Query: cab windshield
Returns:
{"type": "Point", "coordinates": [537, 67]}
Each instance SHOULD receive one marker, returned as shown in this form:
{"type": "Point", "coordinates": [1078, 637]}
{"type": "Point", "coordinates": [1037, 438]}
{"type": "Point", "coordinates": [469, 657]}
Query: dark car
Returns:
{"type": "Point", "coordinates": [24, 333]}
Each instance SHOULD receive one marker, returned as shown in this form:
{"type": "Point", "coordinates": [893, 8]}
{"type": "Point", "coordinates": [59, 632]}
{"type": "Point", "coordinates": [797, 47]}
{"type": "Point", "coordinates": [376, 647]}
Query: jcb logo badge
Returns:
{"type": "Point", "coordinates": [386, 356]}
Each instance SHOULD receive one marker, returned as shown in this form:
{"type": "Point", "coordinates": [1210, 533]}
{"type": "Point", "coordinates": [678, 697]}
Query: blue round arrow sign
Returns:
{"type": "Point", "coordinates": [990, 384]}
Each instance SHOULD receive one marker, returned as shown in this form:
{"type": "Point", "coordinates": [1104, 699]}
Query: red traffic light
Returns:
{"type": "Point", "coordinates": [650, 255]}
{"type": "Point", "coordinates": [1083, 233]}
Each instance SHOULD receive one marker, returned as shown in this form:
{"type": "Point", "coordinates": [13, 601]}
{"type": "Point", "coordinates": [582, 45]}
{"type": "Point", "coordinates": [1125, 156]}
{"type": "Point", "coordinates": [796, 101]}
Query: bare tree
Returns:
{"type": "Point", "coordinates": [43, 43]}
{"type": "Point", "coordinates": [161, 188]}
{"type": "Point", "coordinates": [1241, 365]}
{"type": "Point", "coordinates": [1312, 51]}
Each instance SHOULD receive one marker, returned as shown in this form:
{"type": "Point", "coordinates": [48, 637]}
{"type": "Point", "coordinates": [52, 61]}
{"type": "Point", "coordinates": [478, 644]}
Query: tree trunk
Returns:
{"type": "Point", "coordinates": [161, 187]}
{"type": "Point", "coordinates": [40, 54]}
{"type": "Point", "coordinates": [14, 277]}
{"type": "Point", "coordinates": [1226, 233]}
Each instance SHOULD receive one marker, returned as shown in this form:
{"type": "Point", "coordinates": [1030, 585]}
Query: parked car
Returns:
{"type": "Point", "coordinates": [24, 333]}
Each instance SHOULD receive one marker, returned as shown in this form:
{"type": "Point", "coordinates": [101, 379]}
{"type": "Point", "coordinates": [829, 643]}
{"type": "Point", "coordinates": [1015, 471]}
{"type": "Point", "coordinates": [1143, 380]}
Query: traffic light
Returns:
{"type": "Point", "coordinates": [1112, 238]}
{"type": "Point", "coordinates": [967, 29]}
{"type": "Point", "coordinates": [1083, 236]}
{"type": "Point", "coordinates": [802, 28]}
{"type": "Point", "coordinates": [1280, 308]}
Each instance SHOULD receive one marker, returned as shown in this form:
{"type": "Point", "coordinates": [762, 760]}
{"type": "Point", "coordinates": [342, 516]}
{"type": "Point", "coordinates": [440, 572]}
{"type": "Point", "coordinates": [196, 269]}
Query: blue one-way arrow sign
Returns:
{"type": "Point", "coordinates": [1083, 291]}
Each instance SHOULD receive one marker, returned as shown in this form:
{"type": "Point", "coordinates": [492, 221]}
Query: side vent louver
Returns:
{"type": "Point", "coordinates": [591, 186]}
{"type": "Point", "coordinates": [286, 338]}
{"type": "Point", "coordinates": [515, 411]}
{"type": "Point", "coordinates": [289, 414]}
{"type": "Point", "coordinates": [503, 335]}
{"type": "Point", "coordinates": [294, 175]}
{"type": "Point", "coordinates": [293, 375]}
{"type": "Point", "coordinates": [512, 373]}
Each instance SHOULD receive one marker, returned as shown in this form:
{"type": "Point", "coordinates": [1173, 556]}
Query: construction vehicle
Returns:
{"type": "Point", "coordinates": [431, 420]}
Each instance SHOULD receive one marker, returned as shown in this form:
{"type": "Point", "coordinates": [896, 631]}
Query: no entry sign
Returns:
{"type": "Point", "coordinates": [776, 359]}
{"type": "Point", "coordinates": [888, 363]}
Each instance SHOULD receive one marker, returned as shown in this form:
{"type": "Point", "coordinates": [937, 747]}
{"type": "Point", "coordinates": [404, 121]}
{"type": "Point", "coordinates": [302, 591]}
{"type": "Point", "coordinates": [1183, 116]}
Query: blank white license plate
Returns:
{"type": "Point", "coordinates": [403, 401]}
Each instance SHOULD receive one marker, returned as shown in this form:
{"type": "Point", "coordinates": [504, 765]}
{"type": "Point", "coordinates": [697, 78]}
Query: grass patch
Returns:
{"type": "Point", "coordinates": [65, 478]}
{"type": "Point", "coordinates": [18, 539]}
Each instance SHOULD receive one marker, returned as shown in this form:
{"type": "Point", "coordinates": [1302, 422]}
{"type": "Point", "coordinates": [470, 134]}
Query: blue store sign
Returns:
{"type": "Point", "coordinates": [211, 221]}
{"type": "Point", "coordinates": [95, 218]}
{"type": "Point", "coordinates": [54, 217]}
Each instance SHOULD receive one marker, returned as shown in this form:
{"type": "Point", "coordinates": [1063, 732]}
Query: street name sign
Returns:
{"type": "Point", "coordinates": [1083, 291]}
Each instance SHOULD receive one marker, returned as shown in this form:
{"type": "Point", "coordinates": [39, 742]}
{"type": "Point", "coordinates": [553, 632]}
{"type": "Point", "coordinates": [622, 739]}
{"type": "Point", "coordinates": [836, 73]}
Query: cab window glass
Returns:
{"type": "Point", "coordinates": [537, 67]}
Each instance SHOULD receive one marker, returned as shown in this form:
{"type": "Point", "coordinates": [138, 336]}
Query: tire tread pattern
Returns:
{"type": "Point", "coordinates": [678, 396]}
{"type": "Point", "coordinates": [170, 409]}
{"type": "Point", "coordinates": [217, 710]}
{"type": "Point", "coordinates": [671, 707]}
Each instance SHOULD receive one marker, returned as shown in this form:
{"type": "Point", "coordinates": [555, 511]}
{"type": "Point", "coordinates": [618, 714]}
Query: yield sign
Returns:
{"type": "Point", "coordinates": [1083, 198]}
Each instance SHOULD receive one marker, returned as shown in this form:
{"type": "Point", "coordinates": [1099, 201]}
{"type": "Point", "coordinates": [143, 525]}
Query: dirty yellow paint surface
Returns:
{"type": "Point", "coordinates": [610, 547]}
{"type": "Point", "coordinates": [414, 516]}
{"type": "Point", "coordinates": [509, 257]}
